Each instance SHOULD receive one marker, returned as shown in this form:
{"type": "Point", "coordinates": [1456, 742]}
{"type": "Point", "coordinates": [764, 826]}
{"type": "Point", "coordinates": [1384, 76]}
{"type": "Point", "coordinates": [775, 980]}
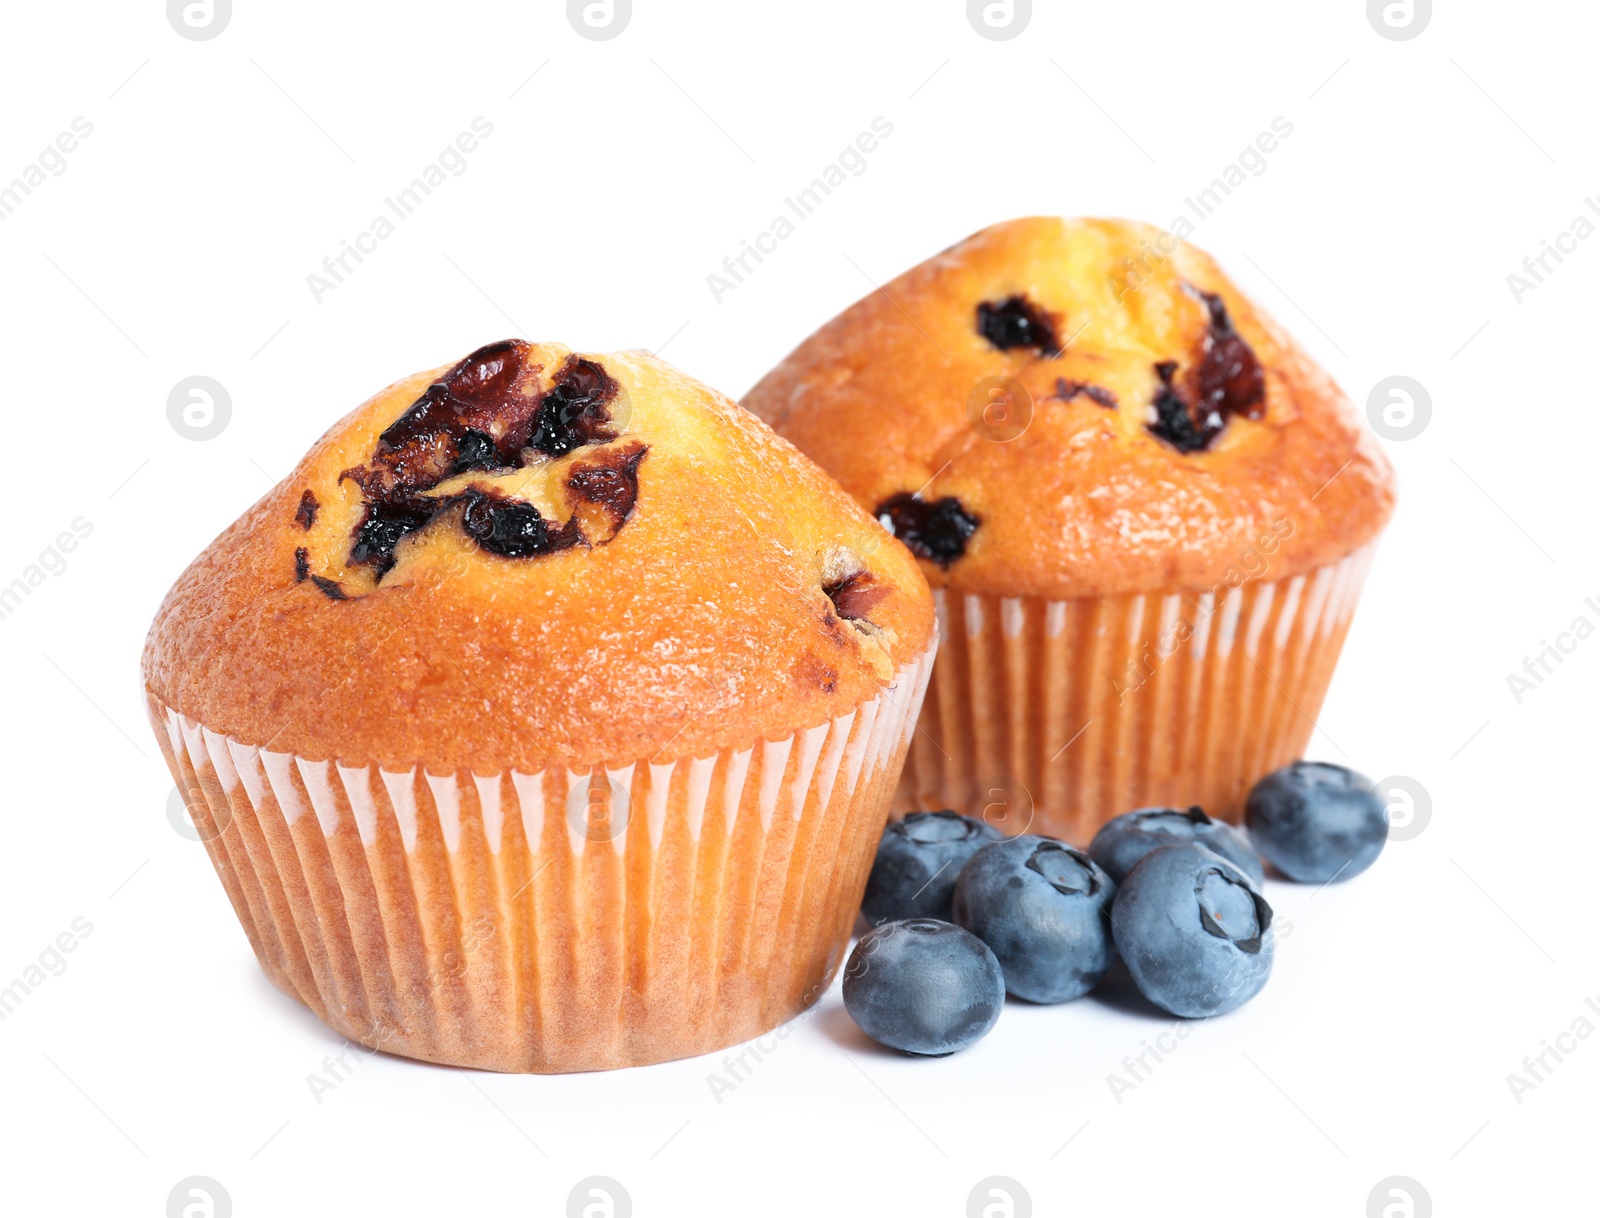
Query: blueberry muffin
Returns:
{"type": "Point", "coordinates": [1145, 511]}
{"type": "Point", "coordinates": [546, 716]}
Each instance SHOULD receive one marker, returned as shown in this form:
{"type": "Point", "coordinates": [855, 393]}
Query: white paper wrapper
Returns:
{"type": "Point", "coordinates": [494, 921]}
{"type": "Point", "coordinates": [1055, 716]}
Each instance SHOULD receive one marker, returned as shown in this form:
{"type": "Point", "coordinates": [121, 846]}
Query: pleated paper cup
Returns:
{"type": "Point", "coordinates": [1055, 716]}
{"type": "Point", "coordinates": [555, 921]}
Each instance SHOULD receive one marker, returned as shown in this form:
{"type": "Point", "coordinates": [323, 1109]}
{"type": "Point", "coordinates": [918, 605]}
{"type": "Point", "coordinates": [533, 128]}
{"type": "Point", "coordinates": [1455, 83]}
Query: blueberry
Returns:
{"type": "Point", "coordinates": [1193, 931]}
{"type": "Point", "coordinates": [1122, 842]}
{"type": "Point", "coordinates": [1017, 321]}
{"type": "Point", "coordinates": [1316, 822]}
{"type": "Point", "coordinates": [923, 986]}
{"type": "Point", "coordinates": [918, 861]}
{"type": "Point", "coordinates": [938, 530]}
{"type": "Point", "coordinates": [1043, 907]}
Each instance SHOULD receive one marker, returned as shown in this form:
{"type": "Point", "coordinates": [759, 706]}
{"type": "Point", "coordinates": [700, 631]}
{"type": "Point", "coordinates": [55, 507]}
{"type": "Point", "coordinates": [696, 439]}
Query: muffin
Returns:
{"type": "Point", "coordinates": [546, 716]}
{"type": "Point", "coordinates": [1146, 514]}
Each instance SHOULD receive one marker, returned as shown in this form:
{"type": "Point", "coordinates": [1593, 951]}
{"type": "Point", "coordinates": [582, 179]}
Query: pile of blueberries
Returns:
{"type": "Point", "coordinates": [963, 916]}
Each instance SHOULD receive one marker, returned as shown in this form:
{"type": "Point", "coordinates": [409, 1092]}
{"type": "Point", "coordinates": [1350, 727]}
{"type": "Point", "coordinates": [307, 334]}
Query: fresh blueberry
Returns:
{"type": "Point", "coordinates": [1317, 822]}
{"type": "Point", "coordinates": [919, 858]}
{"type": "Point", "coordinates": [1043, 907]}
{"type": "Point", "coordinates": [1193, 932]}
{"type": "Point", "coordinates": [1122, 842]}
{"type": "Point", "coordinates": [923, 986]}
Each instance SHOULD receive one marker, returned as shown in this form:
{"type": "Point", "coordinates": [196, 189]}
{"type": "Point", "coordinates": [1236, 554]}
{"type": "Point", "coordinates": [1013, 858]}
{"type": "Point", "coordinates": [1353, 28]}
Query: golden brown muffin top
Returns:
{"type": "Point", "coordinates": [537, 557]}
{"type": "Point", "coordinates": [1172, 430]}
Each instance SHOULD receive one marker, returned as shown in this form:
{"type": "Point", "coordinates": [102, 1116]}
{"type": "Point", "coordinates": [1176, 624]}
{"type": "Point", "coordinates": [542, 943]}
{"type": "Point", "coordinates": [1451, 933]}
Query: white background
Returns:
{"type": "Point", "coordinates": [220, 173]}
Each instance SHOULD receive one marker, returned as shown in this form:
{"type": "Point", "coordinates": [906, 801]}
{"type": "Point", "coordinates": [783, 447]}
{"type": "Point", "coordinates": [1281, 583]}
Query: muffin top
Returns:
{"type": "Point", "coordinates": [539, 557]}
{"type": "Point", "coordinates": [1078, 408]}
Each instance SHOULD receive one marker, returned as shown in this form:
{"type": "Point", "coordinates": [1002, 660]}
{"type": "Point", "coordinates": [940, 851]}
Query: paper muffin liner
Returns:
{"type": "Point", "coordinates": [1054, 716]}
{"type": "Point", "coordinates": [491, 920]}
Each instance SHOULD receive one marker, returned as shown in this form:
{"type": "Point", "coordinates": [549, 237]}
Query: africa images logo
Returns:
{"type": "Point", "coordinates": [199, 20]}
{"type": "Point", "coordinates": [199, 1197]}
{"type": "Point", "coordinates": [999, 20]}
{"type": "Point", "coordinates": [599, 1197]}
{"type": "Point", "coordinates": [599, 20]}
{"type": "Point", "coordinates": [999, 1197]}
